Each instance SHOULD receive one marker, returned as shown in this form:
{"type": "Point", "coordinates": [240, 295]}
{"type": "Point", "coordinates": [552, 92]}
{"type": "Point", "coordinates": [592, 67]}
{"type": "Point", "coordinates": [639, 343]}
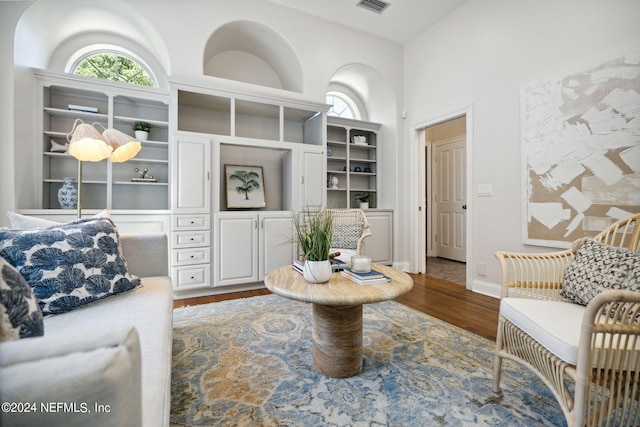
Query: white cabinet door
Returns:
{"type": "Point", "coordinates": [236, 250]}
{"type": "Point", "coordinates": [313, 181]}
{"type": "Point", "coordinates": [276, 241]}
{"type": "Point", "coordinates": [379, 245]}
{"type": "Point", "coordinates": [192, 175]}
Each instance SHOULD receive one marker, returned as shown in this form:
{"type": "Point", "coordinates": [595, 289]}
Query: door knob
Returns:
{"type": "Point", "coordinates": [464, 207]}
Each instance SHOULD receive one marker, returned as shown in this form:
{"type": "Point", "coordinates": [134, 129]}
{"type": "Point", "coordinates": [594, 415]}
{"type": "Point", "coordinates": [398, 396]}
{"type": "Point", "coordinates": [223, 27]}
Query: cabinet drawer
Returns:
{"type": "Point", "coordinates": [191, 222]}
{"type": "Point", "coordinates": [190, 256]}
{"type": "Point", "coordinates": [191, 239]}
{"type": "Point", "coordinates": [197, 276]}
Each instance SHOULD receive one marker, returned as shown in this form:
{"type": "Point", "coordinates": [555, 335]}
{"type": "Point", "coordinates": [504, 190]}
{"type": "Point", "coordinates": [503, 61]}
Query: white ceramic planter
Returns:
{"type": "Point", "coordinates": [141, 135]}
{"type": "Point", "coordinates": [317, 271]}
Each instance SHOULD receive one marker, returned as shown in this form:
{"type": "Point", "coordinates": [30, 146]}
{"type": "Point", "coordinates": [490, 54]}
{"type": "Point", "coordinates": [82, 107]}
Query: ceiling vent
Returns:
{"type": "Point", "coordinates": [376, 6]}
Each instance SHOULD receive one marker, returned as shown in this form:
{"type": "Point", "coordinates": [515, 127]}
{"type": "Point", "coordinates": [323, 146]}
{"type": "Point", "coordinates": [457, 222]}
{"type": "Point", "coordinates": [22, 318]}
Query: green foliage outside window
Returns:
{"type": "Point", "coordinates": [109, 66]}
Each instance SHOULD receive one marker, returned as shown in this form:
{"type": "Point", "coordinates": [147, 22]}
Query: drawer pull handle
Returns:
{"type": "Point", "coordinates": [192, 239]}
{"type": "Point", "coordinates": [192, 257]}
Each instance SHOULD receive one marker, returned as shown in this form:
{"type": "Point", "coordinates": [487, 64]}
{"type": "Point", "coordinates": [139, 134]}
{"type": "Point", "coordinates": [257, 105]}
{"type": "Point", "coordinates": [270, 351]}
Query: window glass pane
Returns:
{"type": "Point", "coordinates": [342, 106]}
{"type": "Point", "coordinates": [111, 66]}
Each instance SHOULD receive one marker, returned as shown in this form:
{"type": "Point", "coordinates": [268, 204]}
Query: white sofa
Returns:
{"type": "Point", "coordinates": [104, 364]}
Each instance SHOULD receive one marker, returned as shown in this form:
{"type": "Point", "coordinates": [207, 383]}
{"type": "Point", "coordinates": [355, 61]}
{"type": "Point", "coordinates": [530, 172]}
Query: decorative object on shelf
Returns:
{"type": "Point", "coordinates": [314, 234]}
{"type": "Point", "coordinates": [363, 198]}
{"type": "Point", "coordinates": [144, 176]}
{"type": "Point", "coordinates": [329, 151]}
{"type": "Point", "coordinates": [357, 169]}
{"type": "Point", "coordinates": [56, 147]}
{"type": "Point", "coordinates": [334, 182]}
{"type": "Point", "coordinates": [245, 186]}
{"type": "Point", "coordinates": [359, 140]}
{"type": "Point", "coordinates": [142, 130]}
{"type": "Point", "coordinates": [87, 144]}
{"type": "Point", "coordinates": [367, 170]}
{"type": "Point", "coordinates": [68, 194]}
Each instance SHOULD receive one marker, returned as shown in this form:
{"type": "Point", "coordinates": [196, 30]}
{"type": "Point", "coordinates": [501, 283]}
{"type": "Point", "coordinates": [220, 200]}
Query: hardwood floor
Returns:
{"type": "Point", "coordinates": [439, 298]}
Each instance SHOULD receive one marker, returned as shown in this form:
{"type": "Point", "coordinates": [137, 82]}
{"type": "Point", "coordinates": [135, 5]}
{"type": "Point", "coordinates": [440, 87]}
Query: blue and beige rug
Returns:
{"type": "Point", "coordinates": [248, 363]}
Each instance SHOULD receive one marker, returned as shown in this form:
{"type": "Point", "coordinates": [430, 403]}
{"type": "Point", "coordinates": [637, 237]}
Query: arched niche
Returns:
{"type": "Point", "coordinates": [90, 22]}
{"type": "Point", "coordinates": [252, 53]}
{"type": "Point", "coordinates": [367, 86]}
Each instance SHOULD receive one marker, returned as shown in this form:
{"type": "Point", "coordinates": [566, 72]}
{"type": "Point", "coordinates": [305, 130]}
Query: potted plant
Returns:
{"type": "Point", "coordinates": [141, 130]}
{"type": "Point", "coordinates": [363, 198]}
{"type": "Point", "coordinates": [314, 232]}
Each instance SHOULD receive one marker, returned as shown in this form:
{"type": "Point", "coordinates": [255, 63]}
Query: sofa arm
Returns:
{"type": "Point", "coordinates": [533, 275]}
{"type": "Point", "coordinates": [146, 253]}
{"type": "Point", "coordinates": [88, 378]}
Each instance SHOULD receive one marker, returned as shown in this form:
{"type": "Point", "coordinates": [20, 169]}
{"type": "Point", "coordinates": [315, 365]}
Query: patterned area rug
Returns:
{"type": "Point", "coordinates": [248, 363]}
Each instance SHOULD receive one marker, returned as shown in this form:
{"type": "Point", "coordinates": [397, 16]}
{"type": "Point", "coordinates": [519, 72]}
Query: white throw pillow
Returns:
{"type": "Point", "coordinates": [26, 222]}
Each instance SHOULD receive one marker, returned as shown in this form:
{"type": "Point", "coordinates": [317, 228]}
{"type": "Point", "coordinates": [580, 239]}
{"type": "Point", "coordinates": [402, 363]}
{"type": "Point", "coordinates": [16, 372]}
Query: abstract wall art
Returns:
{"type": "Point", "coordinates": [580, 136]}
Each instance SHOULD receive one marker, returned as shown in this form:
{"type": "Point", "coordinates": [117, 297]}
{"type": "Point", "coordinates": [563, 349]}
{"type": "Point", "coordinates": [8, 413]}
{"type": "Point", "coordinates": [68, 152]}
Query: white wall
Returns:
{"type": "Point", "coordinates": [482, 54]}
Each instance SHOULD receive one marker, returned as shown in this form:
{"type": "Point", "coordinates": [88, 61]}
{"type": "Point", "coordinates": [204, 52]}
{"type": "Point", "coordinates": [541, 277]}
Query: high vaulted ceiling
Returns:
{"type": "Point", "coordinates": [400, 22]}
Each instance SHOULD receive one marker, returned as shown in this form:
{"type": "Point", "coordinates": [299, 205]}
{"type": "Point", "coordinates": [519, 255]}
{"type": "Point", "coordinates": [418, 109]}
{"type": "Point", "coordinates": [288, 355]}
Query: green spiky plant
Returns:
{"type": "Point", "coordinates": [314, 232]}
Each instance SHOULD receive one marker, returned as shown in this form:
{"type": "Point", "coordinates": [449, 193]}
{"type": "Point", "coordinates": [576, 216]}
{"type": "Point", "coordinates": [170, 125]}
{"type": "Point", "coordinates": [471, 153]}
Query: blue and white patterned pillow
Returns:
{"type": "Point", "coordinates": [20, 315]}
{"type": "Point", "coordinates": [597, 267]}
{"type": "Point", "coordinates": [69, 265]}
{"type": "Point", "coordinates": [346, 236]}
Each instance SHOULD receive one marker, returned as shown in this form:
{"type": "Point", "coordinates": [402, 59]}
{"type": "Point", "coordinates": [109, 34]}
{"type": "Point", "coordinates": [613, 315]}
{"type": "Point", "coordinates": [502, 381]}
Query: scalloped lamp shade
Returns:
{"type": "Point", "coordinates": [86, 143]}
{"type": "Point", "coordinates": [124, 146]}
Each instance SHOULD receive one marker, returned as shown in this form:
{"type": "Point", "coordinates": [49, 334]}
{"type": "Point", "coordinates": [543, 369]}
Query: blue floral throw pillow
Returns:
{"type": "Point", "coordinates": [69, 265]}
{"type": "Point", "coordinates": [20, 315]}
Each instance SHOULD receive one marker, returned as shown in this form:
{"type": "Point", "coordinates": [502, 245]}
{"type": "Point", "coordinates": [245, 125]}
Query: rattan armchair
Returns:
{"type": "Point", "coordinates": [598, 383]}
{"type": "Point", "coordinates": [350, 228]}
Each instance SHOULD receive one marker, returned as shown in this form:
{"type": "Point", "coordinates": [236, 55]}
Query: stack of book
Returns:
{"type": "Point", "coordinates": [371, 278]}
{"type": "Point", "coordinates": [336, 265]}
{"type": "Point", "coordinates": [83, 108]}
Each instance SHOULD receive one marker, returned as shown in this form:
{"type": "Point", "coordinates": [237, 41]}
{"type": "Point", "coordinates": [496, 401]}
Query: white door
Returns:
{"type": "Point", "coordinates": [313, 181]}
{"type": "Point", "coordinates": [193, 185]}
{"type": "Point", "coordinates": [451, 199]}
{"type": "Point", "coordinates": [237, 249]}
{"type": "Point", "coordinates": [276, 241]}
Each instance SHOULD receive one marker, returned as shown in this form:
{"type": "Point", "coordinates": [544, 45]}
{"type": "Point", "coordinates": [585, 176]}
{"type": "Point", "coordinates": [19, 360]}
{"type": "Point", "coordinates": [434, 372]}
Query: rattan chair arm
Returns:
{"type": "Point", "coordinates": [533, 275]}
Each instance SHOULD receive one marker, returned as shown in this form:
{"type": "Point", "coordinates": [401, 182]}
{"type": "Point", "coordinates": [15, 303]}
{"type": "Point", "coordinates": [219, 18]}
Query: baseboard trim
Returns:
{"type": "Point", "coordinates": [486, 288]}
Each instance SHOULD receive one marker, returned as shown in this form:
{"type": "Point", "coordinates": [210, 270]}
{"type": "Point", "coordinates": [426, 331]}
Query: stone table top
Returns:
{"type": "Point", "coordinates": [339, 291]}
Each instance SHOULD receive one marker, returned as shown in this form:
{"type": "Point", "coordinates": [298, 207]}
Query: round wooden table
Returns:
{"type": "Point", "coordinates": [337, 313]}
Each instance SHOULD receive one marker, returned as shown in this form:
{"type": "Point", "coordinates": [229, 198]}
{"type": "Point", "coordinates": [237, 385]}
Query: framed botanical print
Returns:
{"type": "Point", "coordinates": [245, 187]}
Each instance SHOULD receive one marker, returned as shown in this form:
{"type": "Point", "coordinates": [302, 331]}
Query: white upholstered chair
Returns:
{"type": "Point", "coordinates": [588, 356]}
{"type": "Point", "coordinates": [350, 227]}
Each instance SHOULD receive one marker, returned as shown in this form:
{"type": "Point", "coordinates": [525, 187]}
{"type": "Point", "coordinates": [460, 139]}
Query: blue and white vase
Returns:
{"type": "Point", "coordinates": [68, 194]}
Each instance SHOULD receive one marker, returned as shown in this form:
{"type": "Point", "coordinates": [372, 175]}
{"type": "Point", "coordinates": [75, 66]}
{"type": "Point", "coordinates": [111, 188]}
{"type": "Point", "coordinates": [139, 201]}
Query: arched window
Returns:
{"type": "Point", "coordinates": [342, 106]}
{"type": "Point", "coordinates": [116, 66]}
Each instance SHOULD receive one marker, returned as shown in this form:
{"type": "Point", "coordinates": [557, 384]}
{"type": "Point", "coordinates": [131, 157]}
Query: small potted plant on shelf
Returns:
{"type": "Point", "coordinates": [363, 198]}
{"type": "Point", "coordinates": [141, 130]}
{"type": "Point", "coordinates": [314, 232]}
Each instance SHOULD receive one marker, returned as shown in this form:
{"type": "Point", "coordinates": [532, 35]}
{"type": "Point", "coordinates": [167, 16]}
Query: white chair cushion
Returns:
{"type": "Point", "coordinates": [554, 324]}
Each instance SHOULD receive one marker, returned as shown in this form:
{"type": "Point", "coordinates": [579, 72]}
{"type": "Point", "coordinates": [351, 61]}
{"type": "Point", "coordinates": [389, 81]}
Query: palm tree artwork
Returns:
{"type": "Point", "coordinates": [249, 181]}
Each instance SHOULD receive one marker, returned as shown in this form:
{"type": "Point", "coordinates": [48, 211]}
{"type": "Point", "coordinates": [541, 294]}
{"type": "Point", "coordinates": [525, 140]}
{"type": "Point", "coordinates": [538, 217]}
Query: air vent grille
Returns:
{"type": "Point", "coordinates": [376, 6]}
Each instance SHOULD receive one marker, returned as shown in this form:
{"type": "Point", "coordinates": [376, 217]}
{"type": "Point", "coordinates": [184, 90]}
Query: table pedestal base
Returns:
{"type": "Point", "coordinates": [337, 340]}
